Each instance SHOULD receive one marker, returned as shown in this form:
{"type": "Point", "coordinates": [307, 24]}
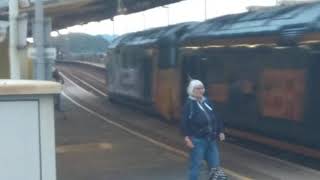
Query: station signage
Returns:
{"type": "Point", "coordinates": [50, 53]}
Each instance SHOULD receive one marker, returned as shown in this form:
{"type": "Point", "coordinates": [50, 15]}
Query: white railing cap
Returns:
{"type": "Point", "coordinates": [28, 87]}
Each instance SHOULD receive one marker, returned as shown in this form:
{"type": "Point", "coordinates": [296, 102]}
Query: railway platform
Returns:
{"type": "Point", "coordinates": [103, 141]}
{"type": "Point", "coordinates": [89, 148]}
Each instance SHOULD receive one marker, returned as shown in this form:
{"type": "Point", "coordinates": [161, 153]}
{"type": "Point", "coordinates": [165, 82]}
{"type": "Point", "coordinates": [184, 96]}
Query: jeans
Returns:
{"type": "Point", "coordinates": [204, 149]}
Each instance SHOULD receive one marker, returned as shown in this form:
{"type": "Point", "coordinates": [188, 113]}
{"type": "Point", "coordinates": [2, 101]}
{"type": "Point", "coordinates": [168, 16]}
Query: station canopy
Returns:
{"type": "Point", "coordinates": [67, 13]}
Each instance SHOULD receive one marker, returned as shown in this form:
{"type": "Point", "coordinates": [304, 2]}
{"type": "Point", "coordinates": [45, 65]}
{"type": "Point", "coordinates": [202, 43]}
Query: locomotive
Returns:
{"type": "Point", "coordinates": [260, 68]}
{"type": "Point", "coordinates": [142, 69]}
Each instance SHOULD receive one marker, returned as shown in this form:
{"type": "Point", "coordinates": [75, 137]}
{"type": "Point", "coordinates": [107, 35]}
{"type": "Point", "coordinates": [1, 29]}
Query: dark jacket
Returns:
{"type": "Point", "coordinates": [200, 121]}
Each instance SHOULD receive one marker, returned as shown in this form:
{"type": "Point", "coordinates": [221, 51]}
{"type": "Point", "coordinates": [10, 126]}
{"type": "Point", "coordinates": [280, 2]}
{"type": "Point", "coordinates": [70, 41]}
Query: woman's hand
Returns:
{"type": "Point", "coordinates": [222, 137]}
{"type": "Point", "coordinates": [188, 142]}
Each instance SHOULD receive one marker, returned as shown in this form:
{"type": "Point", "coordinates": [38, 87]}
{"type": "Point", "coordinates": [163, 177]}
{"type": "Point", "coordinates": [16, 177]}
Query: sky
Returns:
{"type": "Point", "coordinates": [187, 10]}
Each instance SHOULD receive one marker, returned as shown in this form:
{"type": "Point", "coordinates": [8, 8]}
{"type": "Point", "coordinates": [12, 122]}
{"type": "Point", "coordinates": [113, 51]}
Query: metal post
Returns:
{"type": "Point", "coordinates": [13, 52]}
{"type": "Point", "coordinates": [68, 52]}
{"type": "Point", "coordinates": [47, 43]}
{"type": "Point", "coordinates": [205, 9]}
{"type": "Point", "coordinates": [168, 14]}
{"type": "Point", "coordinates": [39, 42]}
{"type": "Point", "coordinates": [113, 32]}
{"type": "Point", "coordinates": [144, 20]}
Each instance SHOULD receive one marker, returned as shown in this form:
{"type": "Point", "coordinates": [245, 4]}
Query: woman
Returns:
{"type": "Point", "coordinates": [201, 129]}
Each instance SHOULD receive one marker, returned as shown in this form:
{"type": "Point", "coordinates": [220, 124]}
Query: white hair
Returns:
{"type": "Point", "coordinates": [193, 83]}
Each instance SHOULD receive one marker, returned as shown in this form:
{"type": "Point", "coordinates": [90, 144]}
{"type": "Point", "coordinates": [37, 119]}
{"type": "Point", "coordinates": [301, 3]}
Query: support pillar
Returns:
{"type": "Point", "coordinates": [13, 40]}
{"type": "Point", "coordinates": [38, 34]}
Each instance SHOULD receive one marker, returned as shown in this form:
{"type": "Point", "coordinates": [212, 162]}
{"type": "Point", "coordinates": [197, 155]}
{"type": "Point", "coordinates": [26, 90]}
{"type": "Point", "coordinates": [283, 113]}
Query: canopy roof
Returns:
{"type": "Point", "coordinates": [66, 13]}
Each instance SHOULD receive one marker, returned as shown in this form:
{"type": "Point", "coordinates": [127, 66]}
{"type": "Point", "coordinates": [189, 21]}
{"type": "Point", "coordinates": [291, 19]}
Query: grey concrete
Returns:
{"type": "Point", "coordinates": [128, 157]}
{"type": "Point", "coordinates": [140, 159]}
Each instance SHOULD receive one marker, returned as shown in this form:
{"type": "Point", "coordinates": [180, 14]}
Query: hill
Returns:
{"type": "Point", "coordinates": [79, 43]}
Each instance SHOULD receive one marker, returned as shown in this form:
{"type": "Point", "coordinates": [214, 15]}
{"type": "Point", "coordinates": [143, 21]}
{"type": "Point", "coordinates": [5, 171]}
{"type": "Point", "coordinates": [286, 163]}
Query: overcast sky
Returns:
{"type": "Point", "coordinates": [188, 10]}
